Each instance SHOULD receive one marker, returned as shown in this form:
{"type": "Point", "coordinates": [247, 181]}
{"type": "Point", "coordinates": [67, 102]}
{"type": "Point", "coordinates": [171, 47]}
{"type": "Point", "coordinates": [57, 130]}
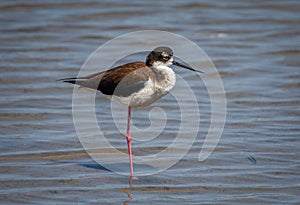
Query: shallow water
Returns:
{"type": "Point", "coordinates": [255, 47]}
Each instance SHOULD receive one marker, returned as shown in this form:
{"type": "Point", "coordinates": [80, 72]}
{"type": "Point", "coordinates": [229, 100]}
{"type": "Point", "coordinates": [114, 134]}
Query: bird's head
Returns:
{"type": "Point", "coordinates": [163, 56]}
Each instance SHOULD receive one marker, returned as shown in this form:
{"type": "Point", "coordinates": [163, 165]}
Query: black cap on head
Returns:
{"type": "Point", "coordinates": [162, 54]}
{"type": "Point", "coordinates": [163, 49]}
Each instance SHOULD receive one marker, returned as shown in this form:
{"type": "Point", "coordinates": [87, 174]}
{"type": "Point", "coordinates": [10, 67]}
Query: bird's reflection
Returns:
{"type": "Point", "coordinates": [127, 190]}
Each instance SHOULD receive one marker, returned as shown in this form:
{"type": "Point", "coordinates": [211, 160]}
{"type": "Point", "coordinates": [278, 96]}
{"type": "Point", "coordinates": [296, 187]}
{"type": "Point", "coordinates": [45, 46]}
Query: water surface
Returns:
{"type": "Point", "coordinates": [255, 47]}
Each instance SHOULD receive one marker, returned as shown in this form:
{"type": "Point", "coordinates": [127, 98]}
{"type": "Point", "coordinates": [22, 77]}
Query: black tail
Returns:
{"type": "Point", "coordinates": [77, 81]}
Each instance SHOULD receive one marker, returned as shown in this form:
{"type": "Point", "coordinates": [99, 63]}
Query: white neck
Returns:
{"type": "Point", "coordinates": [165, 76]}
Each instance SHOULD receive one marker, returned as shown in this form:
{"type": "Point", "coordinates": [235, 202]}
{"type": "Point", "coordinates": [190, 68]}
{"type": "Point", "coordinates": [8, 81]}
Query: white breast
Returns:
{"type": "Point", "coordinates": [164, 80]}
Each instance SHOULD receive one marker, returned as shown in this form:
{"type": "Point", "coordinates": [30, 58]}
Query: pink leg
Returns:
{"type": "Point", "coordinates": [129, 141]}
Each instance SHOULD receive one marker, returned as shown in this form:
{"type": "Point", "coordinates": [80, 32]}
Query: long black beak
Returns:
{"type": "Point", "coordinates": [184, 66]}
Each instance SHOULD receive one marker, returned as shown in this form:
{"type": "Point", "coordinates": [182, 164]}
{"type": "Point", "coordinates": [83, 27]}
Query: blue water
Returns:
{"type": "Point", "coordinates": [255, 48]}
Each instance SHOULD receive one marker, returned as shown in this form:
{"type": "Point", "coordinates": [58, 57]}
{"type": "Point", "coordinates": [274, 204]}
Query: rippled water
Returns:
{"type": "Point", "coordinates": [255, 47]}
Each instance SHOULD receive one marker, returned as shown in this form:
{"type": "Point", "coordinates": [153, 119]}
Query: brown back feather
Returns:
{"type": "Point", "coordinates": [120, 81]}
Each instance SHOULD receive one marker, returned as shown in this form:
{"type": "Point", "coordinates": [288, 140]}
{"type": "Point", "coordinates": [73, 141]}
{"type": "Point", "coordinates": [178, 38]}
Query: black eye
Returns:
{"type": "Point", "coordinates": [165, 58]}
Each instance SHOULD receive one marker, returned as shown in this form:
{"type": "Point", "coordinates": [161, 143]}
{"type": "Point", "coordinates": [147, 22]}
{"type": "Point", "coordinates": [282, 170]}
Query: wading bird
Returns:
{"type": "Point", "coordinates": [136, 84]}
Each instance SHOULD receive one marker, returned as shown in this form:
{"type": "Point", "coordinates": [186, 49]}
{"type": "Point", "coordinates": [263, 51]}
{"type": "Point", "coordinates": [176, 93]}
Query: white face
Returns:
{"type": "Point", "coordinates": [160, 63]}
{"type": "Point", "coordinates": [169, 62]}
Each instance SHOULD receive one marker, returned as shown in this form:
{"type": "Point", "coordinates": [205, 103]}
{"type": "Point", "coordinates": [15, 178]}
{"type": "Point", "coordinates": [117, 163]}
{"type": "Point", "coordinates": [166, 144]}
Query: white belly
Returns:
{"type": "Point", "coordinates": [152, 91]}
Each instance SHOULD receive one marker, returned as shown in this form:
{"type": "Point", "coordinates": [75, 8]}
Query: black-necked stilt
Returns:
{"type": "Point", "coordinates": [137, 84]}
